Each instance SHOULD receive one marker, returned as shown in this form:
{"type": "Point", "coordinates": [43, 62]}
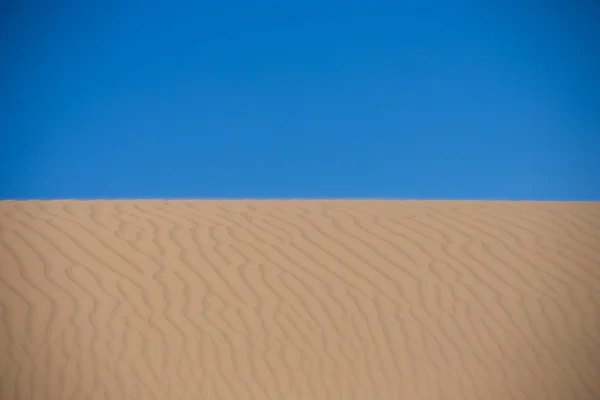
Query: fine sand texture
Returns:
{"type": "Point", "coordinates": [284, 300]}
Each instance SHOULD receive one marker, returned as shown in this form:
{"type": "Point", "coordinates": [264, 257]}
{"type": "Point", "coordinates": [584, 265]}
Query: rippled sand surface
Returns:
{"type": "Point", "coordinates": [289, 300]}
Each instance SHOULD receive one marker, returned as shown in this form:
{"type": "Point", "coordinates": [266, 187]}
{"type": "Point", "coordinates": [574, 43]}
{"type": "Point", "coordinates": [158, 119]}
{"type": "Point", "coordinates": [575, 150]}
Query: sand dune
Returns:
{"type": "Point", "coordinates": [299, 300]}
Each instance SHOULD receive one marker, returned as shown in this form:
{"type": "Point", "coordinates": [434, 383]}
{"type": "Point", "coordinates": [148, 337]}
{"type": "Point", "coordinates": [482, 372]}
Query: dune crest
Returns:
{"type": "Point", "coordinates": [299, 300]}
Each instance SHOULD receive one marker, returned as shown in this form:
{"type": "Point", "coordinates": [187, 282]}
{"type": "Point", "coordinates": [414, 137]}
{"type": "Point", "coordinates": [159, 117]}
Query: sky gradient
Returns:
{"type": "Point", "coordinates": [319, 99]}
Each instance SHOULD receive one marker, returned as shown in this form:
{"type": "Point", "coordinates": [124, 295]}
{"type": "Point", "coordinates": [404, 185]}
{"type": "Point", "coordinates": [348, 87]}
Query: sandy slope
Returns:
{"type": "Point", "coordinates": [299, 300]}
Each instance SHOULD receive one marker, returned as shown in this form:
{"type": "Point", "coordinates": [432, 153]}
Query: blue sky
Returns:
{"type": "Point", "coordinates": [312, 99]}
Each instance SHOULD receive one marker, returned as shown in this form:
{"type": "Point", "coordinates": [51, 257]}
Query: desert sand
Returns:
{"type": "Point", "coordinates": [299, 300]}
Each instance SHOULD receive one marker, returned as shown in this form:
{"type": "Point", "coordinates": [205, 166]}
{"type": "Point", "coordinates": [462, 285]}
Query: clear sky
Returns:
{"type": "Point", "coordinates": [307, 99]}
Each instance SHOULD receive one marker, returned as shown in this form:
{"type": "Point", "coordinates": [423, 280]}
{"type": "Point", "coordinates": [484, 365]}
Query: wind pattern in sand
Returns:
{"type": "Point", "coordinates": [299, 300]}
